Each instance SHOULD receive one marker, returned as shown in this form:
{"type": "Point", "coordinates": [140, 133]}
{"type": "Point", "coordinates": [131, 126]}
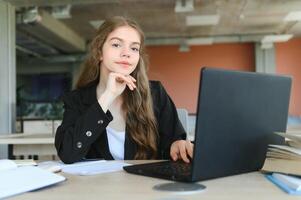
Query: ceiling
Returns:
{"type": "Point", "coordinates": [163, 24]}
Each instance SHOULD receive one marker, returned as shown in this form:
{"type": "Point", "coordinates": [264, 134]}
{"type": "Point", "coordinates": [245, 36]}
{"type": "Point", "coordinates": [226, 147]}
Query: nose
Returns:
{"type": "Point", "coordinates": [125, 52]}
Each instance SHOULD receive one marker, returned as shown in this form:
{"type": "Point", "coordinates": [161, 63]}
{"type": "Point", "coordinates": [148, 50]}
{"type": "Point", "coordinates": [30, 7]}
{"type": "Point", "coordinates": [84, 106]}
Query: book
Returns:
{"type": "Point", "coordinates": [282, 165]}
{"type": "Point", "coordinates": [19, 179]}
{"type": "Point", "coordinates": [289, 184]}
{"type": "Point", "coordinates": [285, 158]}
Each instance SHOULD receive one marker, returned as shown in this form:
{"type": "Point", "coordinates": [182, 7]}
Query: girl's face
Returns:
{"type": "Point", "coordinates": [120, 52]}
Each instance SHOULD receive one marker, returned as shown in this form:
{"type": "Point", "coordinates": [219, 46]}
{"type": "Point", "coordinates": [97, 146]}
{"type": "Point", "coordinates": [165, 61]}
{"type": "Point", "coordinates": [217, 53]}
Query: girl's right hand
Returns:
{"type": "Point", "coordinates": [116, 84]}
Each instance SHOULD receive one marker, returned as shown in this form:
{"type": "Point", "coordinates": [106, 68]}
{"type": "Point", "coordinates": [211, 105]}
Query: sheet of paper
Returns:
{"type": "Point", "coordinates": [24, 179]}
{"type": "Point", "coordinates": [6, 164]}
{"type": "Point", "coordinates": [93, 168]}
{"type": "Point", "coordinates": [56, 166]}
{"type": "Point", "coordinates": [287, 148]}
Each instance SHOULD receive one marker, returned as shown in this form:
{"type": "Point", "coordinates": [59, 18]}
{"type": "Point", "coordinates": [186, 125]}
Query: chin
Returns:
{"type": "Point", "coordinates": [124, 72]}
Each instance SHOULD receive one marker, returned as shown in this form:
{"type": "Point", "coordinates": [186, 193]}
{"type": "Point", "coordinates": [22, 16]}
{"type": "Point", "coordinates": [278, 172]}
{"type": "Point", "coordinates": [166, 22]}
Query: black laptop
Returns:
{"type": "Point", "coordinates": [237, 114]}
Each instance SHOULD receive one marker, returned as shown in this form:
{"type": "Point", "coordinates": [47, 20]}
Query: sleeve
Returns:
{"type": "Point", "coordinates": [78, 130]}
{"type": "Point", "coordinates": [169, 125]}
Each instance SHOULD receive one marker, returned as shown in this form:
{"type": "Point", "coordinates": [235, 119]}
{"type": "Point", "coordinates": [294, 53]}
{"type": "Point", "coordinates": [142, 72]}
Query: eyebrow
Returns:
{"type": "Point", "coordinates": [117, 38]}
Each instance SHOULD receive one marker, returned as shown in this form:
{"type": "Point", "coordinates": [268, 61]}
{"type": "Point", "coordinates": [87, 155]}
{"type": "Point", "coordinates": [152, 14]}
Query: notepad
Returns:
{"type": "Point", "coordinates": [16, 180]}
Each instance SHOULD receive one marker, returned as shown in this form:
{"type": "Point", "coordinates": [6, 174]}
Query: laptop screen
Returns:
{"type": "Point", "coordinates": [236, 116]}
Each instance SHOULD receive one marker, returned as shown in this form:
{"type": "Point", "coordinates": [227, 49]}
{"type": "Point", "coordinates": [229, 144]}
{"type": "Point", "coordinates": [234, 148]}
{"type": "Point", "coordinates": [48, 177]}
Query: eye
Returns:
{"type": "Point", "coordinates": [116, 45]}
{"type": "Point", "coordinates": [135, 49]}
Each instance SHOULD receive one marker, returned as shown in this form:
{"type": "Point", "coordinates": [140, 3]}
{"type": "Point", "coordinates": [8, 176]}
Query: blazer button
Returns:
{"type": "Point", "coordinates": [100, 121]}
{"type": "Point", "coordinates": [79, 145]}
{"type": "Point", "coordinates": [88, 133]}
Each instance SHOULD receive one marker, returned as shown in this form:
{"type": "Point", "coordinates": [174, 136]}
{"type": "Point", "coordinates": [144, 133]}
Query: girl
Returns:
{"type": "Point", "coordinates": [115, 111]}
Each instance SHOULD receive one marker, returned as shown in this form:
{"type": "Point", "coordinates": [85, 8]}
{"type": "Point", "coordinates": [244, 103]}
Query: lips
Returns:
{"type": "Point", "coordinates": [123, 63]}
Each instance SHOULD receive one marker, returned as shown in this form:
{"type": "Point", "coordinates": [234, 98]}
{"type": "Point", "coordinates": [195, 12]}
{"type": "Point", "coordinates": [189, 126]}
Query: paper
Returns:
{"type": "Point", "coordinates": [287, 148]}
{"type": "Point", "coordinates": [7, 164]}
{"type": "Point", "coordinates": [57, 166]}
{"type": "Point", "coordinates": [25, 162]}
{"type": "Point", "coordinates": [293, 136]}
{"type": "Point", "coordinates": [94, 167]}
{"type": "Point", "coordinates": [23, 179]}
{"type": "Point", "coordinates": [52, 166]}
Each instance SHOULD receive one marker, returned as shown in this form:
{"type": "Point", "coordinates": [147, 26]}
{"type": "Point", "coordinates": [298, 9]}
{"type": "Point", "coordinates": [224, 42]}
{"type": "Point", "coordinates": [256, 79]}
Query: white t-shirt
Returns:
{"type": "Point", "coordinates": [116, 143]}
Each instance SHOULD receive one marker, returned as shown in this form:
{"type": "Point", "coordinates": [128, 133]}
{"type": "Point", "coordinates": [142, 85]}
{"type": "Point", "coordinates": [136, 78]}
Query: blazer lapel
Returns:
{"type": "Point", "coordinates": [129, 147]}
{"type": "Point", "coordinates": [104, 146]}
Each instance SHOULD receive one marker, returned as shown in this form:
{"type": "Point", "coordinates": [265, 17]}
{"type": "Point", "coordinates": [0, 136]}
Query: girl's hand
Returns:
{"type": "Point", "coordinates": [181, 149]}
{"type": "Point", "coordinates": [116, 84]}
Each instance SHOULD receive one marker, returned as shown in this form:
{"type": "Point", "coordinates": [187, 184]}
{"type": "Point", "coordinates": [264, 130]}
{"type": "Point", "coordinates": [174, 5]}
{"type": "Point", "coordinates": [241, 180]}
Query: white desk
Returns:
{"type": "Point", "coordinates": [30, 144]}
{"type": "Point", "coordinates": [121, 185]}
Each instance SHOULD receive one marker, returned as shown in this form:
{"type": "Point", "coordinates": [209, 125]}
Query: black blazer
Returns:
{"type": "Point", "coordinates": [82, 133]}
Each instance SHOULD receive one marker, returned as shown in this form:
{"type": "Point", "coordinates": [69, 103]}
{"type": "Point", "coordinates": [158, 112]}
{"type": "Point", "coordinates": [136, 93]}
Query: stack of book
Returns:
{"type": "Point", "coordinates": [284, 161]}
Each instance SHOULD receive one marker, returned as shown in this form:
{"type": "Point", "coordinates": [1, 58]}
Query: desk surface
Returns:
{"type": "Point", "coordinates": [121, 185]}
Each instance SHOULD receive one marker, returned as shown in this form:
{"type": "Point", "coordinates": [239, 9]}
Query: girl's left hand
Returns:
{"type": "Point", "coordinates": [181, 149]}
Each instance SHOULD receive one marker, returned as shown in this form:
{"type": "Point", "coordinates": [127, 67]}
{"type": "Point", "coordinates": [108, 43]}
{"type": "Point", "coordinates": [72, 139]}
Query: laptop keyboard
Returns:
{"type": "Point", "coordinates": [169, 168]}
{"type": "Point", "coordinates": [174, 168]}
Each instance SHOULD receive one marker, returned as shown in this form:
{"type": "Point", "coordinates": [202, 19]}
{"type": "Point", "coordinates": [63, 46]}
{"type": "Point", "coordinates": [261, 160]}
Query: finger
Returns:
{"type": "Point", "coordinates": [130, 86]}
{"type": "Point", "coordinates": [129, 81]}
{"type": "Point", "coordinates": [189, 148]}
{"type": "Point", "coordinates": [133, 84]}
{"type": "Point", "coordinates": [174, 156]}
{"type": "Point", "coordinates": [121, 79]}
{"type": "Point", "coordinates": [183, 153]}
{"type": "Point", "coordinates": [132, 78]}
{"type": "Point", "coordinates": [174, 151]}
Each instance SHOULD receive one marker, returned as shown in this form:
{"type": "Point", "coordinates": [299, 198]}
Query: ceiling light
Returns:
{"type": "Point", "coordinates": [184, 6]}
{"type": "Point", "coordinates": [31, 15]}
{"type": "Point", "coordinates": [202, 20]}
{"type": "Point", "coordinates": [293, 16]}
{"type": "Point", "coordinates": [96, 23]}
{"type": "Point", "coordinates": [184, 47]}
{"type": "Point", "coordinates": [276, 38]}
{"type": "Point", "coordinates": [200, 41]}
{"type": "Point", "coordinates": [61, 12]}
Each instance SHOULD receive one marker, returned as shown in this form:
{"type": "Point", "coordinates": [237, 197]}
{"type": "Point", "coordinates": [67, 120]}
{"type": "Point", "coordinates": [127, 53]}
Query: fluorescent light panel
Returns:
{"type": "Point", "coordinates": [199, 41]}
{"type": "Point", "coordinates": [96, 23]}
{"type": "Point", "coordinates": [61, 12]}
{"type": "Point", "coordinates": [276, 38]}
{"type": "Point", "coordinates": [293, 16]}
{"type": "Point", "coordinates": [202, 20]}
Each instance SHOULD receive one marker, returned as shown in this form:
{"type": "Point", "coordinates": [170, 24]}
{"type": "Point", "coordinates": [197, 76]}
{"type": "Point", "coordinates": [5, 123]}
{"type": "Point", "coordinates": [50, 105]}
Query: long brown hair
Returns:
{"type": "Point", "coordinates": [137, 105]}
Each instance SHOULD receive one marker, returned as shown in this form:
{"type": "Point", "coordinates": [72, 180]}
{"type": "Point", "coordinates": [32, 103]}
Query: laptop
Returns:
{"type": "Point", "coordinates": [237, 114]}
